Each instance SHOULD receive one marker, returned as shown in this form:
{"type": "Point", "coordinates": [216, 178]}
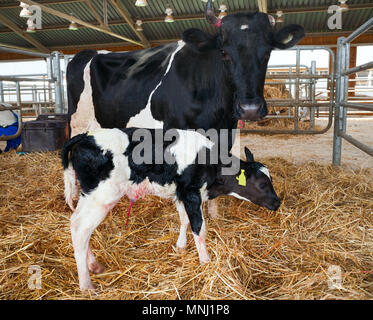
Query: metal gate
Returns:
{"type": "Point", "coordinates": [342, 104]}
{"type": "Point", "coordinates": [297, 80]}
{"type": "Point", "coordinates": [53, 76]}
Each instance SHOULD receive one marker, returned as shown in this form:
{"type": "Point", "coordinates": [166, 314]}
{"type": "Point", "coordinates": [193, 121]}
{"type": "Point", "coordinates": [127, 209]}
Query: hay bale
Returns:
{"type": "Point", "coordinates": [326, 219]}
{"type": "Point", "coordinates": [277, 92]}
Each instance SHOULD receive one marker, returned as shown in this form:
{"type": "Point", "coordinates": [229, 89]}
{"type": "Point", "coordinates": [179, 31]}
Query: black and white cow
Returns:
{"type": "Point", "coordinates": [201, 82]}
{"type": "Point", "coordinates": [104, 164]}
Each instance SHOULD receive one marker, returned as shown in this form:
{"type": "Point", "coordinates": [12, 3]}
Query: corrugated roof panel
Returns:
{"type": "Point", "coordinates": [124, 30]}
{"type": "Point", "coordinates": [157, 8]}
{"type": "Point", "coordinates": [283, 4]}
{"type": "Point", "coordinates": [13, 39]}
{"type": "Point", "coordinates": [163, 30]}
{"type": "Point", "coordinates": [111, 12]}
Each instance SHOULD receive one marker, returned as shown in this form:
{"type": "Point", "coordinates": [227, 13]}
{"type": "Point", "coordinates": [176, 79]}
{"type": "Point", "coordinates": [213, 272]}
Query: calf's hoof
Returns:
{"type": "Point", "coordinates": [88, 287]}
{"type": "Point", "coordinates": [204, 261]}
{"type": "Point", "coordinates": [96, 268]}
{"type": "Point", "coordinates": [181, 250]}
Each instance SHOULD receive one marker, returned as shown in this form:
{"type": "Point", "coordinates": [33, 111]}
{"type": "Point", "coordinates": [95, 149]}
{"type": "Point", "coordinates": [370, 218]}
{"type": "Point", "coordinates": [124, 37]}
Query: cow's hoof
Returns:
{"type": "Point", "coordinates": [96, 268]}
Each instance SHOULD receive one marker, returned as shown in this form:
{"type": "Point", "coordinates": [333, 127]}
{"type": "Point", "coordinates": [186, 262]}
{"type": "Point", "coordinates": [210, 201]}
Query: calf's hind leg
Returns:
{"type": "Point", "coordinates": [83, 223]}
{"type": "Point", "coordinates": [184, 221]}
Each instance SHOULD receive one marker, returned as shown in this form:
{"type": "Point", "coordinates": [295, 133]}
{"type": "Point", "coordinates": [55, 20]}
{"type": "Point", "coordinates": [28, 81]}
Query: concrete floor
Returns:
{"type": "Point", "coordinates": [317, 148]}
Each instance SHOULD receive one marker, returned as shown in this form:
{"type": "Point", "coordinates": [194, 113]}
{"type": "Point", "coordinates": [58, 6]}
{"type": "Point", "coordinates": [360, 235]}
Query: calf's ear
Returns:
{"type": "Point", "coordinates": [249, 155]}
{"type": "Point", "coordinates": [288, 36]}
{"type": "Point", "coordinates": [199, 40]}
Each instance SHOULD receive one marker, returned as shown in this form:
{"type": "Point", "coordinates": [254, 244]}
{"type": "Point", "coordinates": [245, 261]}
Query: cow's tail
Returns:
{"type": "Point", "coordinates": [71, 187]}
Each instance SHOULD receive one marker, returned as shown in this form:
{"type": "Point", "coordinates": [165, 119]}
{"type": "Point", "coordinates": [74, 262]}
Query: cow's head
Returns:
{"type": "Point", "coordinates": [253, 183]}
{"type": "Point", "coordinates": [245, 41]}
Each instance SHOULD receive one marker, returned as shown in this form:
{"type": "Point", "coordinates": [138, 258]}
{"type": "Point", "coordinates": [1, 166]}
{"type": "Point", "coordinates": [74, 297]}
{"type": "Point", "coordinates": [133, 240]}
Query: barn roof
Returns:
{"type": "Point", "coordinates": [55, 35]}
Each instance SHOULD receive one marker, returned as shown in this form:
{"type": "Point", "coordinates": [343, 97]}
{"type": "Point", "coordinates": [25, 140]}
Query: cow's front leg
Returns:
{"type": "Point", "coordinates": [213, 208]}
{"type": "Point", "coordinates": [193, 207]}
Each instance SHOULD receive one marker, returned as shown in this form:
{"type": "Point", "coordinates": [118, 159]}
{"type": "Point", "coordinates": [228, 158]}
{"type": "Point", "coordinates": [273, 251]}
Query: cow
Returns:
{"type": "Point", "coordinates": [203, 81]}
{"type": "Point", "coordinates": [200, 82]}
{"type": "Point", "coordinates": [104, 163]}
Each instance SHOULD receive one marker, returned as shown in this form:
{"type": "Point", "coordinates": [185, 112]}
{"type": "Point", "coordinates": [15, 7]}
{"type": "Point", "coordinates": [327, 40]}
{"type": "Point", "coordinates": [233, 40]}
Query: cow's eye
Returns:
{"type": "Point", "coordinates": [225, 55]}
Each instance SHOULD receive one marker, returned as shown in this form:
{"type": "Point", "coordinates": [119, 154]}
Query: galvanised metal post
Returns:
{"type": "Point", "coordinates": [346, 66]}
{"type": "Point", "coordinates": [58, 82]}
{"type": "Point", "coordinates": [313, 95]}
{"type": "Point", "coordinates": [297, 89]}
{"type": "Point", "coordinates": [1, 92]}
{"type": "Point", "coordinates": [338, 109]}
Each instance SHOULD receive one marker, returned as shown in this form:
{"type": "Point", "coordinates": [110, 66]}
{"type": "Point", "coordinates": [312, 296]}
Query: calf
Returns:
{"type": "Point", "coordinates": [106, 169]}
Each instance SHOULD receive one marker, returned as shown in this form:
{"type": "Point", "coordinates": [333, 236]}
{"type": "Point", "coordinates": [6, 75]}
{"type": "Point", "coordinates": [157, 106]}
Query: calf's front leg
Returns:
{"type": "Point", "coordinates": [193, 207]}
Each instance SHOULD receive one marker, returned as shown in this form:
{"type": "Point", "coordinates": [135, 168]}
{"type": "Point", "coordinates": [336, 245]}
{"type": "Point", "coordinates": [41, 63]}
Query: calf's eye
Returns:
{"type": "Point", "coordinates": [262, 186]}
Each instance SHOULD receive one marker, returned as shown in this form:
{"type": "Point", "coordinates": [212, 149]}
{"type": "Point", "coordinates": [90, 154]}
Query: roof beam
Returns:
{"type": "Point", "coordinates": [23, 34]}
{"type": "Point", "coordinates": [81, 22]}
{"type": "Point", "coordinates": [124, 13]}
{"type": "Point", "coordinates": [94, 12]}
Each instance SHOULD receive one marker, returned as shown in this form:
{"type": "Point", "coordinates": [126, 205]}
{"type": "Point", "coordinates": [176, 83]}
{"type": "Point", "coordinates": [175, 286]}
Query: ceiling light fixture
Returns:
{"type": "Point", "coordinates": [279, 19]}
{"type": "Point", "coordinates": [343, 6]}
{"type": "Point", "coordinates": [30, 26]}
{"type": "Point", "coordinates": [141, 3]}
{"type": "Point", "coordinates": [139, 25]}
{"type": "Point", "coordinates": [73, 26]}
{"type": "Point", "coordinates": [25, 12]}
{"type": "Point", "coordinates": [223, 11]}
{"type": "Point", "coordinates": [169, 17]}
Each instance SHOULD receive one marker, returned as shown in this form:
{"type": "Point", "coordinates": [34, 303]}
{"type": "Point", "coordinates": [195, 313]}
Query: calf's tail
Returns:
{"type": "Point", "coordinates": [71, 188]}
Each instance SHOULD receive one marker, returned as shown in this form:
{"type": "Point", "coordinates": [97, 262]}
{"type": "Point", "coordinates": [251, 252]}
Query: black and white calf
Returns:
{"type": "Point", "coordinates": [104, 165]}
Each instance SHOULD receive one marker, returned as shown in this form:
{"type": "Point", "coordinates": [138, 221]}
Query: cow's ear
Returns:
{"type": "Point", "coordinates": [199, 40]}
{"type": "Point", "coordinates": [249, 155]}
{"type": "Point", "coordinates": [288, 36]}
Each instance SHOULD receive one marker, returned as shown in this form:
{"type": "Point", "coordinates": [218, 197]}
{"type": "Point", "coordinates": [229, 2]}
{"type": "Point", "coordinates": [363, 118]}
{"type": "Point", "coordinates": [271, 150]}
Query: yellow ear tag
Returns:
{"type": "Point", "coordinates": [242, 179]}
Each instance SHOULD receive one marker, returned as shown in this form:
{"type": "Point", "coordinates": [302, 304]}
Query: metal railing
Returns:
{"type": "Point", "coordinates": [54, 76]}
{"type": "Point", "coordinates": [342, 103]}
{"type": "Point", "coordinates": [297, 80]}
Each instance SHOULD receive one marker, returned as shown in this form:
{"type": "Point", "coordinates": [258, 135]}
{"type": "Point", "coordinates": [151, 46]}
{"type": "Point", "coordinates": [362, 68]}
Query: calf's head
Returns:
{"type": "Point", "coordinates": [245, 41]}
{"type": "Point", "coordinates": [253, 183]}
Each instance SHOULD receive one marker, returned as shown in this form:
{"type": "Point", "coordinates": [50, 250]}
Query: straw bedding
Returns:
{"type": "Point", "coordinates": [326, 219]}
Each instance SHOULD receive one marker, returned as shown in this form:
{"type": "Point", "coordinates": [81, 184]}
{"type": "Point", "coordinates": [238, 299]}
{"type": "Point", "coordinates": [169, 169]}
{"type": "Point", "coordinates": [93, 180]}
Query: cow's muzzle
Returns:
{"type": "Point", "coordinates": [253, 110]}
